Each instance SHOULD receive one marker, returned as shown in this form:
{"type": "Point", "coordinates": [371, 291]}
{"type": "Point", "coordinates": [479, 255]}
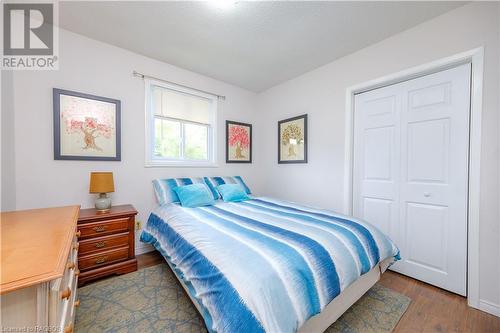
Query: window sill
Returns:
{"type": "Point", "coordinates": [180, 164]}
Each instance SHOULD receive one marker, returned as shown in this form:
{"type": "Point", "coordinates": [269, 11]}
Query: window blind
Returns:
{"type": "Point", "coordinates": [180, 105]}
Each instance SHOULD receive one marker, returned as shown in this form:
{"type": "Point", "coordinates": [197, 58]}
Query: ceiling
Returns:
{"type": "Point", "coordinates": [254, 45]}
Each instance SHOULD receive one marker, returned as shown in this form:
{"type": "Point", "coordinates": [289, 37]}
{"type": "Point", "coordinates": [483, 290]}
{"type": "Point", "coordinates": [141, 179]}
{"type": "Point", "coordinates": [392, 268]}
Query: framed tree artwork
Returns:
{"type": "Point", "coordinates": [292, 140]}
{"type": "Point", "coordinates": [238, 142]}
{"type": "Point", "coordinates": [86, 127]}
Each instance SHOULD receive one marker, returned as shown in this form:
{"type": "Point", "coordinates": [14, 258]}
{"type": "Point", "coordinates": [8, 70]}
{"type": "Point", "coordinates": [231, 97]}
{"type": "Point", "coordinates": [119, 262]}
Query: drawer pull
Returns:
{"type": "Point", "coordinates": [71, 265]}
{"type": "Point", "coordinates": [78, 233]}
{"type": "Point", "coordinates": [77, 272]}
{"type": "Point", "coordinates": [100, 228]}
{"type": "Point", "coordinates": [100, 244]}
{"type": "Point", "coordinates": [101, 260]}
{"type": "Point", "coordinates": [66, 293]}
{"type": "Point", "coordinates": [77, 303]}
{"type": "Point", "coordinates": [68, 329]}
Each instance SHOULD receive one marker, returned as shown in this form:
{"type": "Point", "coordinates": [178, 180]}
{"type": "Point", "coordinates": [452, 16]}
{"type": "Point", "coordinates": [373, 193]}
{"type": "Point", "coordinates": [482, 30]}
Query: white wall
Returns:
{"type": "Point", "coordinates": [8, 190]}
{"type": "Point", "coordinates": [96, 68]}
{"type": "Point", "coordinates": [321, 94]}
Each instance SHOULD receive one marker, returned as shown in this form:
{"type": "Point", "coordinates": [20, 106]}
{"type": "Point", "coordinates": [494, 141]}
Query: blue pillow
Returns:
{"type": "Point", "coordinates": [164, 188]}
{"type": "Point", "coordinates": [194, 195]}
{"type": "Point", "coordinates": [213, 182]}
{"type": "Point", "coordinates": [232, 192]}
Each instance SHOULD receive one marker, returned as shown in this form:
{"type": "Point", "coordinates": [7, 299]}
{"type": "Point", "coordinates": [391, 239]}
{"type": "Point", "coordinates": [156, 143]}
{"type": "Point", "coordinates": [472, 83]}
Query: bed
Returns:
{"type": "Point", "coordinates": [265, 265]}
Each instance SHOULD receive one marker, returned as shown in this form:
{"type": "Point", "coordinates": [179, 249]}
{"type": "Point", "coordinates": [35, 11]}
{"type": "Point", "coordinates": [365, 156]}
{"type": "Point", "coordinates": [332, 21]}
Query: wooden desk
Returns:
{"type": "Point", "coordinates": [39, 269]}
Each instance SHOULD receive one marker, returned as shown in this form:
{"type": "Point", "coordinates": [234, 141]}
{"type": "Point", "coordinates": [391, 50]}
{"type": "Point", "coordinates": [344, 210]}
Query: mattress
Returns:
{"type": "Point", "coordinates": [264, 265]}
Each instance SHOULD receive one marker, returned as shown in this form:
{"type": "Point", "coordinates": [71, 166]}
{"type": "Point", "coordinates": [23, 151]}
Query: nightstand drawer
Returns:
{"type": "Point", "coordinates": [101, 228]}
{"type": "Point", "coordinates": [103, 243]}
{"type": "Point", "coordinates": [102, 258]}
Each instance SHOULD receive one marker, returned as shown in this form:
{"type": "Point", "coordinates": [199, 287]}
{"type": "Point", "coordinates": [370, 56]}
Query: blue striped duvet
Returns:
{"type": "Point", "coordinates": [264, 264]}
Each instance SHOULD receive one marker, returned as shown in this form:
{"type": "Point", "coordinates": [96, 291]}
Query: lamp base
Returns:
{"type": "Point", "coordinates": [103, 203]}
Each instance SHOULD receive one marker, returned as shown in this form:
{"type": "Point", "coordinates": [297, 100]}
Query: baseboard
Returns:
{"type": "Point", "coordinates": [143, 249]}
{"type": "Point", "coordinates": [489, 307]}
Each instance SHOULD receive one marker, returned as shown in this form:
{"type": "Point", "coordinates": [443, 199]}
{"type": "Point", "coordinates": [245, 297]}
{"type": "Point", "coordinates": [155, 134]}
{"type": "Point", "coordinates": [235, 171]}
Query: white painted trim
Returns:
{"type": "Point", "coordinates": [476, 58]}
{"type": "Point", "coordinates": [349, 151]}
{"type": "Point", "coordinates": [473, 280]}
{"type": "Point", "coordinates": [143, 249]}
{"type": "Point", "coordinates": [489, 307]}
{"type": "Point", "coordinates": [179, 164]}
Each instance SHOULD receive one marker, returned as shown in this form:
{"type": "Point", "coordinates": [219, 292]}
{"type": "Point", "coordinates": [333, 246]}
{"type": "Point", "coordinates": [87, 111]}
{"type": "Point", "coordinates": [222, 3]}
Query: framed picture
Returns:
{"type": "Point", "coordinates": [292, 140]}
{"type": "Point", "coordinates": [86, 127]}
{"type": "Point", "coordinates": [238, 142]}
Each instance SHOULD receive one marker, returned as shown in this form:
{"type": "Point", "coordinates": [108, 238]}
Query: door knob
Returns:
{"type": "Point", "coordinates": [427, 194]}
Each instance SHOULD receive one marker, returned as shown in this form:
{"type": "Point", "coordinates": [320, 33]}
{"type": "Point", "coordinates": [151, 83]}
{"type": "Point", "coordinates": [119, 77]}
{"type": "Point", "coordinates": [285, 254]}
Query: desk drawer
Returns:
{"type": "Point", "coordinates": [63, 292]}
{"type": "Point", "coordinates": [101, 228]}
{"type": "Point", "coordinates": [102, 258]}
{"type": "Point", "coordinates": [103, 243]}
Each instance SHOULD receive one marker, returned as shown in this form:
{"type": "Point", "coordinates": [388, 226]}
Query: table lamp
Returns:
{"type": "Point", "coordinates": [102, 183]}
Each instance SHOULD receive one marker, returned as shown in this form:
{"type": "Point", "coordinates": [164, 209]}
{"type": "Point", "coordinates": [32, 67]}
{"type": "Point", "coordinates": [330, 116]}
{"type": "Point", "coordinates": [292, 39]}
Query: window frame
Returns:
{"type": "Point", "coordinates": [154, 161]}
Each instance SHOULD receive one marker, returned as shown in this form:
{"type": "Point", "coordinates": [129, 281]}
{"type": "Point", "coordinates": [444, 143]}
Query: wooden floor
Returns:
{"type": "Point", "coordinates": [435, 310]}
{"type": "Point", "coordinates": [431, 309]}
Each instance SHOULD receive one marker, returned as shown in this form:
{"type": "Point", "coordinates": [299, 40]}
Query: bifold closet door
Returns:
{"type": "Point", "coordinates": [411, 144]}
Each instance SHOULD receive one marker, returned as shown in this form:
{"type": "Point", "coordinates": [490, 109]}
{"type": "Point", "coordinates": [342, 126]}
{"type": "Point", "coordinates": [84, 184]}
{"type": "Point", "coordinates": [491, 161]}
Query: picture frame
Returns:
{"type": "Point", "coordinates": [292, 140]}
{"type": "Point", "coordinates": [86, 127]}
{"type": "Point", "coordinates": [238, 142]}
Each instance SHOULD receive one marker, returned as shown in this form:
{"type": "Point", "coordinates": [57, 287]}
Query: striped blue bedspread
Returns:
{"type": "Point", "coordinates": [264, 264]}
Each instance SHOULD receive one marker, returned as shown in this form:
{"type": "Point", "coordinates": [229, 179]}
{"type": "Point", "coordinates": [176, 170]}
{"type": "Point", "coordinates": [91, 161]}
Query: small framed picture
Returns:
{"type": "Point", "coordinates": [292, 140]}
{"type": "Point", "coordinates": [86, 127]}
{"type": "Point", "coordinates": [238, 142]}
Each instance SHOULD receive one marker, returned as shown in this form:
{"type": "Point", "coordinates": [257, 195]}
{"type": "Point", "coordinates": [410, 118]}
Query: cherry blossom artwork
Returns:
{"type": "Point", "coordinates": [292, 140]}
{"type": "Point", "coordinates": [88, 127]}
{"type": "Point", "coordinates": [238, 142]}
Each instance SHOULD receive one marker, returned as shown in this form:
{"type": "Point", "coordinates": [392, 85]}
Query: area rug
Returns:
{"type": "Point", "coordinates": [151, 300]}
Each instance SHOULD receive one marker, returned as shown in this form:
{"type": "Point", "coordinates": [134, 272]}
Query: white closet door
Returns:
{"type": "Point", "coordinates": [424, 210]}
{"type": "Point", "coordinates": [377, 158]}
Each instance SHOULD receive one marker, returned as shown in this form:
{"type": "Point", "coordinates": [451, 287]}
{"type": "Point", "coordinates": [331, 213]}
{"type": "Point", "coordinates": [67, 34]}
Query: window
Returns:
{"type": "Point", "coordinates": [180, 126]}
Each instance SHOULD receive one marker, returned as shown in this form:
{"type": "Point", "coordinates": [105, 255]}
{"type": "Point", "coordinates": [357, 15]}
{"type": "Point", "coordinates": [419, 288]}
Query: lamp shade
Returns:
{"type": "Point", "coordinates": [101, 182]}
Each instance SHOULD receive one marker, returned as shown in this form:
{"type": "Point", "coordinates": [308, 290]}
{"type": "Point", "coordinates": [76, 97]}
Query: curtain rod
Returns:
{"type": "Point", "coordinates": [143, 76]}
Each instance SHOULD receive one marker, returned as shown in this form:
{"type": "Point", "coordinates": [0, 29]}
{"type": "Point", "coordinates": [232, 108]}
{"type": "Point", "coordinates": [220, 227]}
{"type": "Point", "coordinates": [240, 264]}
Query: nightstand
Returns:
{"type": "Point", "coordinates": [106, 242]}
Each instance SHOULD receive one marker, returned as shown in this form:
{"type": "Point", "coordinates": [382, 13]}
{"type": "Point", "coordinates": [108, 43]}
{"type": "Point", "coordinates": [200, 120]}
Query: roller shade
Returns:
{"type": "Point", "coordinates": [179, 105]}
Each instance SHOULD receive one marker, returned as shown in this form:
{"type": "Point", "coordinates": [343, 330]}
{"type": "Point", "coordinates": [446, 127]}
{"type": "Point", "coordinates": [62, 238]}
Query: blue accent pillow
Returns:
{"type": "Point", "coordinates": [194, 195]}
{"type": "Point", "coordinates": [232, 192]}
{"type": "Point", "coordinates": [164, 188]}
{"type": "Point", "coordinates": [213, 182]}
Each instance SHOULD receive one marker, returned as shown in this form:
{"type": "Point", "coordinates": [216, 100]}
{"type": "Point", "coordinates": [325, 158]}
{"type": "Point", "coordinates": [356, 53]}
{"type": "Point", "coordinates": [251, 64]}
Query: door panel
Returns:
{"type": "Point", "coordinates": [430, 96]}
{"type": "Point", "coordinates": [378, 153]}
{"type": "Point", "coordinates": [428, 146]}
{"type": "Point", "coordinates": [424, 220]}
{"type": "Point", "coordinates": [411, 171]}
{"type": "Point", "coordinates": [378, 211]}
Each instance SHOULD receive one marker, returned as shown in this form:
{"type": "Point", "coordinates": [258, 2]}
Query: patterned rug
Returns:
{"type": "Point", "coordinates": [151, 300]}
